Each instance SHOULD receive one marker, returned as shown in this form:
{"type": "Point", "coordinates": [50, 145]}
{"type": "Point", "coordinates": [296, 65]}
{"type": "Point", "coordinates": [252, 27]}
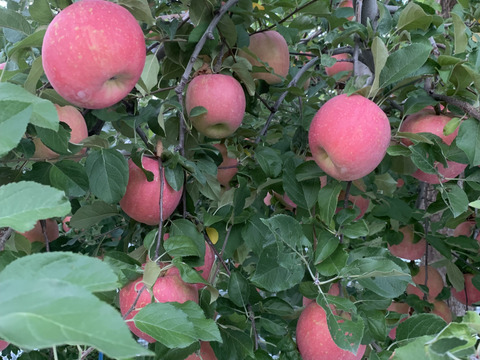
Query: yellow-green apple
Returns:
{"type": "Point", "coordinates": [469, 293]}
{"type": "Point", "coordinates": [3, 345]}
{"type": "Point", "coordinates": [228, 168]}
{"type": "Point", "coordinates": [142, 197]}
{"type": "Point", "coordinates": [400, 308]}
{"type": "Point", "coordinates": [349, 137]}
{"type": "Point", "coordinates": [75, 120]}
{"type": "Point", "coordinates": [441, 309]}
{"type": "Point", "coordinates": [341, 66]}
{"type": "Point", "coordinates": [347, 3]}
{"type": "Point", "coordinates": [93, 53]}
{"type": "Point", "coordinates": [426, 121]}
{"type": "Point", "coordinates": [407, 249]}
{"type": "Point", "coordinates": [206, 353]}
{"type": "Point", "coordinates": [168, 287]}
{"type": "Point", "coordinates": [36, 233]}
{"type": "Point", "coordinates": [223, 98]}
{"type": "Point", "coordinates": [314, 340]}
{"type": "Point", "coordinates": [434, 283]}
{"type": "Point", "coordinates": [271, 48]}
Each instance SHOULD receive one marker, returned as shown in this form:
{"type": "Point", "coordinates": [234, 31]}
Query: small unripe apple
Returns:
{"type": "Point", "coordinates": [472, 293]}
{"type": "Point", "coordinates": [142, 197]}
{"type": "Point", "coordinates": [36, 233]}
{"type": "Point", "coordinates": [434, 283]}
{"type": "Point", "coordinates": [271, 48]}
{"type": "Point", "coordinates": [168, 287]}
{"type": "Point", "coordinates": [406, 249]}
{"type": "Point", "coordinates": [426, 121]}
{"type": "Point", "coordinates": [228, 168]}
{"type": "Point", "coordinates": [349, 137]}
{"type": "Point", "coordinates": [341, 66]}
{"type": "Point", "coordinates": [75, 120]}
{"type": "Point", "coordinates": [206, 353]}
{"type": "Point", "coordinates": [93, 53]}
{"type": "Point", "coordinates": [224, 99]}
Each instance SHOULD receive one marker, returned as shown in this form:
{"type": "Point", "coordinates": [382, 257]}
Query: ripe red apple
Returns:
{"type": "Point", "coordinates": [401, 308]}
{"type": "Point", "coordinates": [434, 284]}
{"type": "Point", "coordinates": [466, 229]}
{"type": "Point", "coordinates": [340, 66]}
{"type": "Point", "coordinates": [347, 3]}
{"type": "Point", "coordinates": [93, 53]}
{"type": "Point", "coordinates": [2, 66]}
{"type": "Point", "coordinates": [142, 198]}
{"type": "Point", "coordinates": [3, 344]}
{"type": "Point", "coordinates": [206, 353]}
{"type": "Point", "coordinates": [314, 340]}
{"type": "Point", "coordinates": [407, 249]}
{"type": "Point", "coordinates": [271, 48]}
{"type": "Point", "coordinates": [349, 137]}
{"type": "Point", "coordinates": [65, 220]}
{"type": "Point", "coordinates": [224, 99]}
{"type": "Point", "coordinates": [282, 199]}
{"type": "Point", "coordinates": [228, 168]}
{"type": "Point", "coordinates": [168, 287]}
{"type": "Point", "coordinates": [441, 309]}
{"type": "Point", "coordinates": [426, 121]}
{"type": "Point", "coordinates": [74, 119]}
{"type": "Point", "coordinates": [473, 293]}
{"type": "Point", "coordinates": [36, 233]}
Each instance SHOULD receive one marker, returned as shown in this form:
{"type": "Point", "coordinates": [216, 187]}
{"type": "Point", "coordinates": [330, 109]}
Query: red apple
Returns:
{"type": "Point", "coordinates": [340, 66]}
{"type": "Point", "coordinates": [2, 66]}
{"type": "Point", "coordinates": [441, 309]}
{"type": "Point", "coordinates": [347, 3]}
{"type": "Point", "coordinates": [224, 99]}
{"type": "Point", "coordinates": [206, 353]}
{"type": "Point", "coordinates": [314, 340]}
{"type": "Point", "coordinates": [282, 199]}
{"type": "Point", "coordinates": [93, 53]}
{"type": "Point", "coordinates": [3, 344]}
{"type": "Point", "coordinates": [228, 168]}
{"type": "Point", "coordinates": [168, 287]}
{"type": "Point", "coordinates": [426, 121]}
{"type": "Point", "coordinates": [66, 220]}
{"type": "Point", "coordinates": [36, 233]}
{"type": "Point", "coordinates": [271, 48]}
{"type": "Point", "coordinates": [142, 198]}
{"type": "Point", "coordinates": [472, 293]}
{"type": "Point", "coordinates": [406, 249]}
{"type": "Point", "coordinates": [74, 119]}
{"type": "Point", "coordinates": [401, 308]}
{"type": "Point", "coordinates": [434, 283]}
{"type": "Point", "coordinates": [349, 137]}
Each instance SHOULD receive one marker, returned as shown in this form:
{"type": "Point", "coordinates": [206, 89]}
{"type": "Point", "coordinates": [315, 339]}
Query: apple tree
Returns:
{"type": "Point", "coordinates": [205, 179]}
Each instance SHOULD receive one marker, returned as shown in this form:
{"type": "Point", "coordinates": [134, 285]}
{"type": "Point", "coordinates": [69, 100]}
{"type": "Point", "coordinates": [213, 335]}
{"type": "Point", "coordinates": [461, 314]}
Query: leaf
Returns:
{"type": "Point", "coordinates": [149, 75]}
{"type": "Point", "coordinates": [380, 56]}
{"type": "Point", "coordinates": [419, 325]}
{"type": "Point", "coordinates": [13, 20]}
{"type": "Point", "coordinates": [34, 75]}
{"type": "Point", "coordinates": [107, 171]}
{"type": "Point", "coordinates": [468, 140]}
{"type": "Point", "coordinates": [287, 230]}
{"type": "Point", "coordinates": [235, 345]}
{"type": "Point", "coordinates": [413, 17]}
{"type": "Point", "coordinates": [181, 245]}
{"type": "Point", "coordinates": [460, 34]}
{"type": "Point", "coordinates": [403, 62]}
{"type": "Point", "coordinates": [238, 289]}
{"type": "Point", "coordinates": [69, 176]}
{"type": "Point", "coordinates": [455, 198]}
{"type": "Point", "coordinates": [14, 119]}
{"type": "Point", "coordinates": [327, 202]}
{"type": "Point", "coordinates": [25, 45]}
{"type": "Point", "coordinates": [40, 12]}
{"type": "Point", "coordinates": [140, 9]}
{"type": "Point", "coordinates": [25, 202]}
{"type": "Point", "coordinates": [42, 313]}
{"type": "Point", "coordinates": [90, 215]}
{"type": "Point", "coordinates": [269, 160]}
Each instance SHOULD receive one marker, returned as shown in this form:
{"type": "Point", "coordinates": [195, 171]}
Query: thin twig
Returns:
{"type": "Point", "coordinates": [251, 315]}
{"type": "Point", "coordinates": [43, 224]}
{"type": "Point", "coordinates": [218, 256]}
{"type": "Point", "coordinates": [466, 107]}
{"type": "Point", "coordinates": [161, 174]}
{"type": "Point", "coordinates": [4, 236]}
{"type": "Point", "coordinates": [144, 138]}
{"type": "Point", "coordinates": [144, 287]}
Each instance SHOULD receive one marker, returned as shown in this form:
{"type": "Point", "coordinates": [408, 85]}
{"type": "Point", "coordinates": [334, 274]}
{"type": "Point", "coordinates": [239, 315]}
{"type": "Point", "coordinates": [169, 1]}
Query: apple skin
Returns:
{"type": "Point", "coordinates": [75, 120]}
{"type": "Point", "coordinates": [340, 66]}
{"type": "Point", "coordinates": [224, 99]}
{"type": "Point", "coordinates": [314, 340]}
{"type": "Point", "coordinates": [206, 352]}
{"type": "Point", "coordinates": [472, 292]}
{"type": "Point", "coordinates": [169, 287]}
{"type": "Point", "coordinates": [349, 137]}
{"type": "Point", "coordinates": [271, 48]}
{"type": "Point", "coordinates": [466, 229]}
{"type": "Point", "coordinates": [347, 3]}
{"type": "Point", "coordinates": [142, 198]}
{"type": "Point", "coordinates": [428, 122]}
{"type": "Point", "coordinates": [2, 66]}
{"type": "Point", "coordinates": [407, 249]}
{"type": "Point", "coordinates": [435, 283]}
{"type": "Point", "coordinates": [93, 53]}
{"type": "Point", "coordinates": [3, 344]}
{"type": "Point", "coordinates": [401, 308]}
{"type": "Point", "coordinates": [228, 168]}
{"type": "Point", "coordinates": [441, 309]}
{"type": "Point", "coordinates": [36, 233]}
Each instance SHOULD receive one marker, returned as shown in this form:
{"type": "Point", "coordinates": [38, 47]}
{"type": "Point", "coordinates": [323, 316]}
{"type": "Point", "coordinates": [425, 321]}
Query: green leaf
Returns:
{"type": "Point", "coordinates": [468, 140]}
{"type": "Point", "coordinates": [34, 40]}
{"type": "Point", "coordinates": [197, 111]}
{"type": "Point", "coordinates": [235, 345]}
{"type": "Point", "coordinates": [13, 20]}
{"type": "Point", "coordinates": [107, 171]}
{"type": "Point", "coordinates": [334, 263]}
{"type": "Point", "coordinates": [149, 75]}
{"type": "Point", "coordinates": [181, 245]}
{"type": "Point", "coordinates": [380, 56]}
{"type": "Point", "coordinates": [140, 9]}
{"type": "Point", "coordinates": [287, 231]}
{"type": "Point", "coordinates": [40, 12]}
{"type": "Point", "coordinates": [327, 244]}
{"type": "Point", "coordinates": [25, 202]}
{"type": "Point", "coordinates": [89, 215]}
{"type": "Point", "coordinates": [403, 62]}
{"type": "Point", "coordinates": [34, 75]}
{"type": "Point", "coordinates": [238, 289]}
{"type": "Point", "coordinates": [56, 140]}
{"type": "Point", "coordinates": [269, 160]}
{"type": "Point", "coordinates": [419, 325]}
{"type": "Point", "coordinates": [69, 176]}
{"type": "Point", "coordinates": [455, 198]}
{"type": "Point", "coordinates": [460, 34]}
{"type": "Point", "coordinates": [42, 313]}
{"type": "Point", "coordinates": [327, 202]}
{"type": "Point", "coordinates": [413, 17]}
{"type": "Point", "coordinates": [14, 119]}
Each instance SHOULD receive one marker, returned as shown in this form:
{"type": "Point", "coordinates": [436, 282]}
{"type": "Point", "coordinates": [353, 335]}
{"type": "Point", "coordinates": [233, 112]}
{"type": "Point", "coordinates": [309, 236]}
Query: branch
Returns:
{"type": "Point", "coordinates": [43, 224]}
{"type": "Point", "coordinates": [144, 138]}
{"type": "Point", "coordinates": [292, 13]}
{"type": "Point", "coordinates": [466, 107]}
{"type": "Point", "coordinates": [217, 254]}
{"type": "Point", "coordinates": [161, 174]}
{"type": "Point", "coordinates": [277, 104]}
{"type": "Point", "coordinates": [4, 235]}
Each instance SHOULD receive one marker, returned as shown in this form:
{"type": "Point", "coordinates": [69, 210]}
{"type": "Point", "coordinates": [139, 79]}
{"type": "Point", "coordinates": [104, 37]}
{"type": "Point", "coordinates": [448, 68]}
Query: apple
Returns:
{"type": "Point", "coordinates": [75, 120]}
{"type": "Point", "coordinates": [401, 308]}
{"type": "Point", "coordinates": [142, 198]}
{"type": "Point", "coordinates": [356, 200]}
{"type": "Point", "coordinates": [341, 66]}
{"type": "Point", "coordinates": [472, 293]}
{"type": "Point", "coordinates": [441, 309]}
{"type": "Point", "coordinates": [282, 199]}
{"type": "Point", "coordinates": [349, 137]}
{"type": "Point", "coordinates": [270, 47]}
{"type": "Point", "coordinates": [206, 353]}
{"type": "Point", "coordinates": [2, 66]}
{"type": "Point", "coordinates": [228, 168]}
{"type": "Point", "coordinates": [93, 53]}
{"type": "Point", "coordinates": [3, 344]}
{"type": "Point", "coordinates": [65, 222]}
{"type": "Point", "coordinates": [314, 340]}
{"type": "Point", "coordinates": [168, 287]}
{"type": "Point", "coordinates": [224, 99]}
{"type": "Point", "coordinates": [426, 121]}
{"type": "Point", "coordinates": [434, 283]}
{"type": "Point", "coordinates": [406, 249]}
{"type": "Point", "coordinates": [347, 3]}
{"type": "Point", "coordinates": [36, 233]}
{"type": "Point", "coordinates": [466, 229]}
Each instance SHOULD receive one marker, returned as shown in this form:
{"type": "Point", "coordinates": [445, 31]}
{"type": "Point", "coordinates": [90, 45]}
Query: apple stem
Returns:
{"type": "Point", "coordinates": [4, 235]}
{"type": "Point", "coordinates": [43, 224]}
{"type": "Point", "coordinates": [144, 138]}
{"type": "Point", "coordinates": [161, 174]}
{"type": "Point", "coordinates": [251, 315]}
